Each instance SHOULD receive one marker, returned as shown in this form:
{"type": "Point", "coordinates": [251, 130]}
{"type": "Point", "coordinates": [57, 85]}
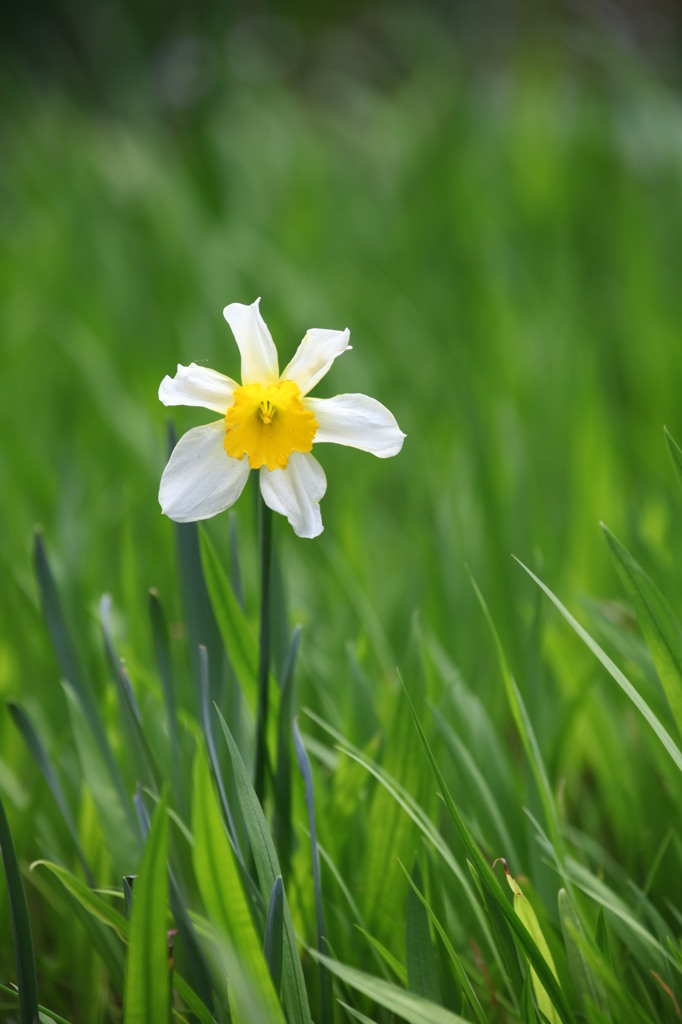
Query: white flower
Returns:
{"type": "Point", "coordinates": [270, 420]}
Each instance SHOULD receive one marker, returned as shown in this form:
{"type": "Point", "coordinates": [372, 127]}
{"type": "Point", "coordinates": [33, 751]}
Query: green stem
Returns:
{"type": "Point", "coordinates": [265, 522]}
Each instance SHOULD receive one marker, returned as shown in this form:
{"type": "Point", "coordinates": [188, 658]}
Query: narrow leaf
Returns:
{"type": "Point", "coordinates": [274, 930]}
{"type": "Point", "coordinates": [235, 629]}
{"type": "Point", "coordinates": [613, 670]}
{"type": "Point", "coordinates": [422, 970]}
{"type": "Point", "coordinates": [675, 453]}
{"type": "Point", "coordinates": [114, 810]}
{"type": "Point", "coordinates": [282, 782]}
{"type": "Point", "coordinates": [21, 926]}
{"type": "Point", "coordinates": [492, 887]}
{"type": "Point", "coordinates": [163, 660]}
{"type": "Point", "coordinates": [461, 975]}
{"type": "Point", "coordinates": [221, 890]}
{"type": "Point", "coordinates": [587, 985]}
{"type": "Point", "coordinates": [326, 1005]}
{"type": "Point", "coordinates": [294, 991]}
{"type": "Point", "coordinates": [660, 627]}
{"type": "Point", "coordinates": [27, 729]}
{"type": "Point", "coordinates": [146, 995]}
{"type": "Point", "coordinates": [71, 669]}
{"type": "Point", "coordinates": [529, 918]}
{"type": "Point", "coordinates": [406, 1005]}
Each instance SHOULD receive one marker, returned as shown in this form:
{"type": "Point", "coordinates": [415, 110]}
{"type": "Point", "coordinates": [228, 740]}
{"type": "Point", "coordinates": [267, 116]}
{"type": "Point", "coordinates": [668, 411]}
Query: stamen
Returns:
{"type": "Point", "coordinates": [268, 423]}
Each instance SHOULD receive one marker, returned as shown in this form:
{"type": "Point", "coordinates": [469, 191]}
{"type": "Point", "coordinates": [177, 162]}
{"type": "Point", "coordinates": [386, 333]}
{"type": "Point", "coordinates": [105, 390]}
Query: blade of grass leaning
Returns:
{"type": "Point", "coordinates": [71, 669]}
{"type": "Point", "coordinates": [460, 973]}
{"type": "Point", "coordinates": [294, 993]}
{"type": "Point", "coordinates": [494, 890]}
{"type": "Point", "coordinates": [132, 720]}
{"type": "Point", "coordinates": [100, 911]}
{"type": "Point", "coordinates": [147, 988]}
{"type": "Point", "coordinates": [526, 913]}
{"type": "Point", "coordinates": [386, 957]}
{"type": "Point", "coordinates": [164, 664]}
{"type": "Point", "coordinates": [675, 453]}
{"type": "Point", "coordinates": [418, 816]}
{"type": "Point", "coordinates": [524, 728]}
{"type": "Point", "coordinates": [356, 1015]}
{"type": "Point", "coordinates": [409, 1007]}
{"type": "Point", "coordinates": [47, 1016]}
{"type": "Point", "coordinates": [274, 933]}
{"type": "Point", "coordinates": [615, 673]}
{"type": "Point", "coordinates": [27, 729]}
{"type": "Point", "coordinates": [422, 969]}
{"type": "Point", "coordinates": [326, 1004]}
{"type": "Point", "coordinates": [661, 629]}
{"type": "Point", "coordinates": [90, 900]}
{"type": "Point", "coordinates": [27, 982]}
{"type": "Point", "coordinates": [103, 939]}
{"type": "Point", "coordinates": [461, 753]}
{"type": "Point", "coordinates": [220, 886]}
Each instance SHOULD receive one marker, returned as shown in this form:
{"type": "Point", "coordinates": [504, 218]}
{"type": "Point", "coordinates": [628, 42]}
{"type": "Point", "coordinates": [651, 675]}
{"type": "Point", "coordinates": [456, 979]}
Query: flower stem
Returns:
{"type": "Point", "coordinates": [265, 525]}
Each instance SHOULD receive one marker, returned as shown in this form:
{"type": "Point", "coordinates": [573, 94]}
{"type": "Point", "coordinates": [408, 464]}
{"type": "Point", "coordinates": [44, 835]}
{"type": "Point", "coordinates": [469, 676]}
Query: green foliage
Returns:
{"type": "Point", "coordinates": [503, 247]}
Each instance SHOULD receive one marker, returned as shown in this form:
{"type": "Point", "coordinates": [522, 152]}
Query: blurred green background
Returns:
{"type": "Point", "coordinates": [488, 196]}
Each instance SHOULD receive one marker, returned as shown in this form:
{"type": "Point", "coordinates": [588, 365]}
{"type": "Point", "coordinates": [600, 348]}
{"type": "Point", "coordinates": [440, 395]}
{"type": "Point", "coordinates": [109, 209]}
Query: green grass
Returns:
{"type": "Point", "coordinates": [503, 245]}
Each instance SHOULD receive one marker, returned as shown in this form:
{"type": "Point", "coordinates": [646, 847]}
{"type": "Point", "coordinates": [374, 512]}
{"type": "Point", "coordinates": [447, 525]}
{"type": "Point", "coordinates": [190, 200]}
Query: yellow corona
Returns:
{"type": "Point", "coordinates": [267, 423]}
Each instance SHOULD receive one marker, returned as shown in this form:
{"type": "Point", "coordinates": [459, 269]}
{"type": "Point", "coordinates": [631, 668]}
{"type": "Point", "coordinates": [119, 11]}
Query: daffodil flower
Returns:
{"type": "Point", "coordinates": [267, 423]}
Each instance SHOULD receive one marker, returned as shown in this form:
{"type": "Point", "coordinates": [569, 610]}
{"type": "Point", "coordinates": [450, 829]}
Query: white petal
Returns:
{"type": "Point", "coordinates": [314, 356]}
{"type": "Point", "coordinates": [296, 492]}
{"type": "Point", "coordinates": [197, 385]}
{"type": "Point", "coordinates": [201, 479]}
{"type": "Point", "coordinates": [358, 421]}
{"type": "Point", "coordinates": [258, 352]}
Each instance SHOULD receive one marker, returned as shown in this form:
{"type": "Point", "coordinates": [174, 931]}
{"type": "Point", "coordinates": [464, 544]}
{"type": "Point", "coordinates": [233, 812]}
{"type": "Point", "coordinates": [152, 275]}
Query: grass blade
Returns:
{"type": "Point", "coordinates": [661, 629]}
{"type": "Point", "coordinates": [409, 1007]}
{"type": "Point", "coordinates": [274, 931]}
{"type": "Point", "coordinates": [462, 977]}
{"type": "Point", "coordinates": [615, 673]}
{"type": "Point", "coordinates": [326, 1006]}
{"type": "Point", "coordinates": [202, 628]}
{"type": "Point", "coordinates": [165, 666]}
{"type": "Point", "coordinates": [71, 669]}
{"type": "Point", "coordinates": [587, 985]}
{"type": "Point", "coordinates": [27, 729]}
{"type": "Point", "coordinates": [526, 914]}
{"type": "Point", "coordinates": [147, 988]}
{"type": "Point", "coordinates": [422, 970]}
{"type": "Point", "coordinates": [493, 889]}
{"type": "Point", "coordinates": [295, 996]}
{"type": "Point", "coordinates": [220, 886]}
{"type": "Point", "coordinates": [115, 813]}
{"type": "Point", "coordinates": [675, 453]}
{"type": "Point", "coordinates": [525, 729]}
{"type": "Point", "coordinates": [282, 781]}
{"type": "Point", "coordinates": [235, 629]}
{"type": "Point", "coordinates": [21, 927]}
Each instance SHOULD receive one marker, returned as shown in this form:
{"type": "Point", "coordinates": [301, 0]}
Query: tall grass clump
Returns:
{"type": "Point", "coordinates": [461, 801]}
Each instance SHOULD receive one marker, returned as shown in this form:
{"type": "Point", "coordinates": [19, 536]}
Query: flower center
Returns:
{"type": "Point", "coordinates": [267, 424]}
